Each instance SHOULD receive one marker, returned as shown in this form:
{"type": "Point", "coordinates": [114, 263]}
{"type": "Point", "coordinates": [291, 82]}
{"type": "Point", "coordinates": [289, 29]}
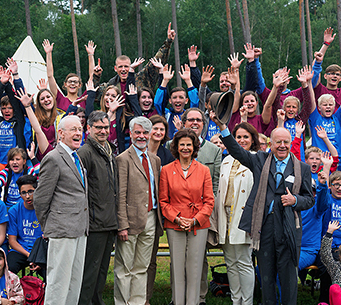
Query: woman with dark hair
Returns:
{"type": "Point", "coordinates": [247, 112]}
{"type": "Point", "coordinates": [146, 101]}
{"type": "Point", "coordinates": [187, 200]}
{"type": "Point", "coordinates": [235, 185]}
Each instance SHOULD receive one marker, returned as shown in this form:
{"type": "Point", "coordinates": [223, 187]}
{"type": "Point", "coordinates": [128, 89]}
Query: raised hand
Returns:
{"type": "Point", "coordinates": [322, 177]}
{"type": "Point", "coordinates": [167, 72]}
{"type": "Point", "coordinates": [280, 117]}
{"type": "Point", "coordinates": [42, 84]}
{"type": "Point", "coordinates": [23, 97]}
{"type": "Point", "coordinates": [232, 75]}
{"type": "Point", "coordinates": [319, 56]}
{"type": "Point", "coordinates": [90, 86]}
{"type": "Point", "coordinates": [258, 52]}
{"type": "Point", "coordinates": [243, 113]}
{"type": "Point", "coordinates": [321, 132]}
{"type": "Point", "coordinates": [5, 76]}
{"type": "Point", "coordinates": [31, 150]}
{"type": "Point", "coordinates": [90, 48]}
{"type": "Point", "coordinates": [207, 74]}
{"type": "Point", "coordinates": [132, 90]}
{"type": "Point", "coordinates": [115, 103]}
{"type": "Point", "coordinates": [157, 63]}
{"type": "Point", "coordinates": [333, 226]}
{"type": "Point", "coordinates": [177, 122]}
{"type": "Point", "coordinates": [12, 65]}
{"type": "Point", "coordinates": [98, 69]}
{"type": "Point", "coordinates": [300, 127]}
{"type": "Point", "coordinates": [327, 159]}
{"type": "Point", "coordinates": [137, 62]}
{"type": "Point", "coordinates": [233, 59]}
{"type": "Point", "coordinates": [48, 48]}
{"type": "Point", "coordinates": [328, 35]}
{"type": "Point", "coordinates": [170, 33]}
{"type": "Point", "coordinates": [309, 73]}
{"type": "Point", "coordinates": [250, 52]}
{"type": "Point", "coordinates": [281, 77]}
{"type": "Point", "coordinates": [185, 73]}
{"type": "Point", "coordinates": [79, 100]}
{"type": "Point", "coordinates": [193, 55]}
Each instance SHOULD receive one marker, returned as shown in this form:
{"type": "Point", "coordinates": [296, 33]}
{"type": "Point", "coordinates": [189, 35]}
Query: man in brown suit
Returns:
{"type": "Point", "coordinates": [138, 214]}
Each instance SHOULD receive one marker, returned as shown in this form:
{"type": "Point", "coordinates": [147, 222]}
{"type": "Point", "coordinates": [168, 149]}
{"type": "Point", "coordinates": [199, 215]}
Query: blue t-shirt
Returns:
{"type": "Point", "coordinates": [7, 140]}
{"type": "Point", "coordinates": [3, 292]}
{"type": "Point", "coordinates": [23, 224]}
{"type": "Point", "coordinates": [212, 129]}
{"type": "Point", "coordinates": [331, 125]}
{"type": "Point", "coordinates": [333, 213]}
{"type": "Point", "coordinates": [290, 124]}
{"type": "Point", "coordinates": [13, 196]}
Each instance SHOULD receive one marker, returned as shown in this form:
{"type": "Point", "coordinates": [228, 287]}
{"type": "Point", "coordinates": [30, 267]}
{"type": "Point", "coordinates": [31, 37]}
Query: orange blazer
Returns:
{"type": "Point", "coordinates": [187, 197]}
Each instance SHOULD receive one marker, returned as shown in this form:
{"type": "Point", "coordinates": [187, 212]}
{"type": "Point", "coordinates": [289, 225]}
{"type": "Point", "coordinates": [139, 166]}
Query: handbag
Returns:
{"type": "Point", "coordinates": [219, 285]}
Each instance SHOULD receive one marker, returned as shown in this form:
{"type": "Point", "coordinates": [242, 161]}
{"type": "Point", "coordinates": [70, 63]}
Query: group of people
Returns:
{"type": "Point", "coordinates": [146, 162]}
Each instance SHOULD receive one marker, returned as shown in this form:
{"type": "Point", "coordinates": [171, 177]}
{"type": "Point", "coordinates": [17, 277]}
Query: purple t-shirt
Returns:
{"type": "Point", "coordinates": [321, 89]}
{"type": "Point", "coordinates": [63, 102]}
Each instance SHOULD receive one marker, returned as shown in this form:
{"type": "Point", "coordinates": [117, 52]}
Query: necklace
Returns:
{"type": "Point", "coordinates": [186, 169]}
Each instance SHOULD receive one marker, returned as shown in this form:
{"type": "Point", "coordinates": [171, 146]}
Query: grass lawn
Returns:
{"type": "Point", "coordinates": [162, 291]}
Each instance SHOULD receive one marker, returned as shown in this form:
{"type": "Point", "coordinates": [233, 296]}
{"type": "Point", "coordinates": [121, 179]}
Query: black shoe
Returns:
{"type": "Point", "coordinates": [171, 303]}
{"type": "Point", "coordinates": [202, 303]}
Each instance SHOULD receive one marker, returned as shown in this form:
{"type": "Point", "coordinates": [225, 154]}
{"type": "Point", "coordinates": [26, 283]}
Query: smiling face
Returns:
{"type": "Point", "coordinates": [122, 69]}
{"type": "Point", "coordinates": [326, 108]}
{"type": "Point", "coordinates": [26, 193]}
{"type": "Point", "coordinates": [72, 84]}
{"type": "Point", "coordinates": [17, 163]}
{"type": "Point", "coordinates": [280, 143]}
{"type": "Point", "coordinates": [158, 132]}
{"type": "Point", "coordinates": [251, 103]}
{"type": "Point", "coordinates": [7, 111]}
{"type": "Point", "coordinates": [81, 116]}
{"type": "Point", "coordinates": [194, 121]}
{"type": "Point", "coordinates": [244, 138]}
{"type": "Point", "coordinates": [185, 148]}
{"type": "Point", "coordinates": [178, 101]}
{"type": "Point", "coordinates": [46, 100]}
{"type": "Point", "coordinates": [139, 137]}
{"type": "Point", "coordinates": [71, 134]}
{"type": "Point", "coordinates": [224, 84]}
{"type": "Point", "coordinates": [290, 108]}
{"type": "Point", "coordinates": [335, 188]}
{"type": "Point", "coordinates": [109, 96]}
{"type": "Point", "coordinates": [145, 101]}
{"type": "Point", "coordinates": [333, 78]}
{"type": "Point", "coordinates": [100, 131]}
{"type": "Point", "coordinates": [314, 161]}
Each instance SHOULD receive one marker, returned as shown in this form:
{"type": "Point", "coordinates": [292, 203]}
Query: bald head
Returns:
{"type": "Point", "coordinates": [280, 142]}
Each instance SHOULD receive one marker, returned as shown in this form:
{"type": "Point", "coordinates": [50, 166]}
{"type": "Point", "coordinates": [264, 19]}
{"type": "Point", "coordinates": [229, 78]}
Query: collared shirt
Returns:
{"type": "Point", "coordinates": [68, 150]}
{"type": "Point", "coordinates": [151, 173]}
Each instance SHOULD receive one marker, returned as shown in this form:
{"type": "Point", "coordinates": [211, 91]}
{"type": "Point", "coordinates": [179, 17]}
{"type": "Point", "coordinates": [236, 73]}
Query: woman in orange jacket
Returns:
{"type": "Point", "coordinates": [187, 200]}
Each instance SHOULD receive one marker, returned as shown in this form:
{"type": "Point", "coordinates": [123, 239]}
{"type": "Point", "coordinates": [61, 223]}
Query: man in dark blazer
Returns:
{"type": "Point", "coordinates": [61, 205]}
{"type": "Point", "coordinates": [282, 188]}
{"type": "Point", "coordinates": [138, 214]}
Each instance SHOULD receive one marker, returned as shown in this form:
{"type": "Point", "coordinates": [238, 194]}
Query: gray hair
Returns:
{"type": "Point", "coordinates": [96, 116]}
{"type": "Point", "coordinates": [67, 118]}
{"type": "Point", "coordinates": [143, 121]}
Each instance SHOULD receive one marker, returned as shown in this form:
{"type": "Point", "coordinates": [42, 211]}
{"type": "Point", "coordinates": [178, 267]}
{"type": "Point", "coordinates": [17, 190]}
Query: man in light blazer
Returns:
{"type": "Point", "coordinates": [61, 204]}
{"type": "Point", "coordinates": [138, 214]}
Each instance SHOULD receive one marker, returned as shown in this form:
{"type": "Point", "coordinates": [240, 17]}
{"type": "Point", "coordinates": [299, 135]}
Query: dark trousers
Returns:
{"type": "Point", "coordinates": [97, 260]}
{"type": "Point", "coordinates": [275, 257]}
{"type": "Point", "coordinates": [17, 261]}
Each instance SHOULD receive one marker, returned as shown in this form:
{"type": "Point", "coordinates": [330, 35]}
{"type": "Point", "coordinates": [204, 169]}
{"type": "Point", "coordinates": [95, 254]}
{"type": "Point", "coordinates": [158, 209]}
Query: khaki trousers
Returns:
{"type": "Point", "coordinates": [132, 259]}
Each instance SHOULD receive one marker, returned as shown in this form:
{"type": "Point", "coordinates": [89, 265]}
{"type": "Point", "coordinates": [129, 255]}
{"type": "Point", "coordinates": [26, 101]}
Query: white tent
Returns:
{"type": "Point", "coordinates": [31, 64]}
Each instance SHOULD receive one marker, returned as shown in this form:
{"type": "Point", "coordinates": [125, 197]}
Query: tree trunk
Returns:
{"type": "Point", "coordinates": [82, 8]}
{"type": "Point", "coordinates": [176, 46]}
{"type": "Point", "coordinates": [302, 30]}
{"type": "Point", "coordinates": [75, 41]}
{"type": "Point", "coordinates": [116, 28]}
{"type": "Point", "coordinates": [28, 18]}
{"type": "Point", "coordinates": [229, 26]}
{"type": "Point", "coordinates": [139, 32]}
{"type": "Point", "coordinates": [241, 20]}
{"type": "Point", "coordinates": [246, 22]}
{"type": "Point", "coordinates": [339, 22]}
{"type": "Point", "coordinates": [310, 39]}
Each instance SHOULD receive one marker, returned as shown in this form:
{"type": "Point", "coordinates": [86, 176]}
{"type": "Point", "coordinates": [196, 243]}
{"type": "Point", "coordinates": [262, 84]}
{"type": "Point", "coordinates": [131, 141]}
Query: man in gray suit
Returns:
{"type": "Point", "coordinates": [138, 214]}
{"type": "Point", "coordinates": [61, 204]}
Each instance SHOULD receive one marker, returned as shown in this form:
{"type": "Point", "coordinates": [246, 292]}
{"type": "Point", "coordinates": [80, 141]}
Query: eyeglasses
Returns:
{"type": "Point", "coordinates": [191, 120]}
{"type": "Point", "coordinates": [286, 142]}
{"type": "Point", "coordinates": [76, 82]}
{"type": "Point", "coordinates": [334, 74]}
{"type": "Point", "coordinates": [336, 185]}
{"type": "Point", "coordinates": [101, 127]}
{"type": "Point", "coordinates": [29, 193]}
{"type": "Point", "coordinates": [74, 129]}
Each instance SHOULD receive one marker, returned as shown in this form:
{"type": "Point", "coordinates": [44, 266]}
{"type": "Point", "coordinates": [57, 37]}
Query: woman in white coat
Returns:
{"type": "Point", "coordinates": [235, 185]}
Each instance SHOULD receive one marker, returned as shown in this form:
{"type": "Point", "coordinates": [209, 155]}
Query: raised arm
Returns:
{"type": "Point", "coordinates": [90, 49]}
{"type": "Point", "coordinates": [233, 78]}
{"type": "Point", "coordinates": [321, 132]}
{"type": "Point", "coordinates": [48, 48]}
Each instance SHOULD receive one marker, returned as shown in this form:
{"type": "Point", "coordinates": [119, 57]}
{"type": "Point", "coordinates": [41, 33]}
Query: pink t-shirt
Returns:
{"type": "Point", "coordinates": [63, 102]}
